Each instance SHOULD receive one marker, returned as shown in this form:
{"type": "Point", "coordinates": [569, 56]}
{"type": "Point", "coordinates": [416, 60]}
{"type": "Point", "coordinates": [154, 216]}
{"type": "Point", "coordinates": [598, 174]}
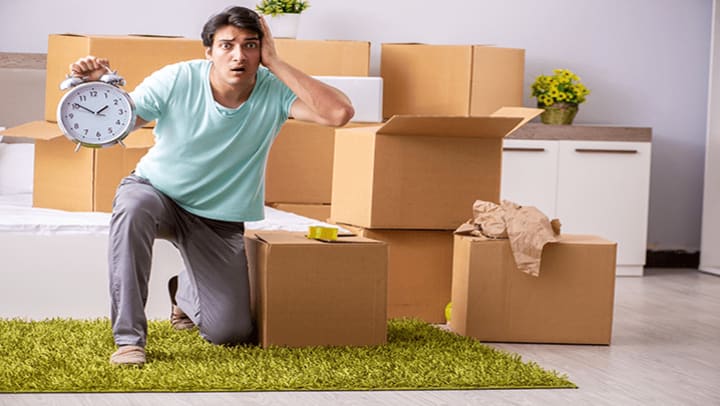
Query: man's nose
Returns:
{"type": "Point", "coordinates": [238, 54]}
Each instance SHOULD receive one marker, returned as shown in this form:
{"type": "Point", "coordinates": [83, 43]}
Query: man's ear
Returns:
{"type": "Point", "coordinates": [208, 53]}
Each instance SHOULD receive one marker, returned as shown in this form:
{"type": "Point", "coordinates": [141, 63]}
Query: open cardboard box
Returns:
{"type": "Point", "coordinates": [78, 181]}
{"type": "Point", "coordinates": [308, 292]}
{"type": "Point", "coordinates": [420, 172]}
{"type": "Point", "coordinates": [570, 302]}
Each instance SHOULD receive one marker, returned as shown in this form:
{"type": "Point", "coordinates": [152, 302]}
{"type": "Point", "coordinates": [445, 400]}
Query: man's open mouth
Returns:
{"type": "Point", "coordinates": [238, 70]}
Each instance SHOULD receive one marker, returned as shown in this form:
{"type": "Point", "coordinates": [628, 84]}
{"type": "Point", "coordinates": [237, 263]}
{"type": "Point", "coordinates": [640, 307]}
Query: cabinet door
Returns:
{"type": "Point", "coordinates": [529, 173]}
{"type": "Point", "coordinates": [603, 189]}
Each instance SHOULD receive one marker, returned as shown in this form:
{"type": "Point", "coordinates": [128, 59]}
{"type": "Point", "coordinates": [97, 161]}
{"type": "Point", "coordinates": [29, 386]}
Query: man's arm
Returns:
{"type": "Point", "coordinates": [316, 101]}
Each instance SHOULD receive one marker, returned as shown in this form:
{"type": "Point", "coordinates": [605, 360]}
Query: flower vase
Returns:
{"type": "Point", "coordinates": [559, 113]}
{"type": "Point", "coordinates": [283, 25]}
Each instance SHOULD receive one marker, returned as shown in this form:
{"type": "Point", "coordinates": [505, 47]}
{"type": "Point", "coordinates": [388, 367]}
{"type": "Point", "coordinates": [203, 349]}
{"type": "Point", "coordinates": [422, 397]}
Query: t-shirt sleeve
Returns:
{"type": "Point", "coordinates": [152, 94]}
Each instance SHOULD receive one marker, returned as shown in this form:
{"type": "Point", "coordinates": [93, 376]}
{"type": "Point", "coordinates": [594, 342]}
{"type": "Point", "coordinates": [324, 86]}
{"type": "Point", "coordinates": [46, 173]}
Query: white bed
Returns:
{"type": "Point", "coordinates": [53, 263]}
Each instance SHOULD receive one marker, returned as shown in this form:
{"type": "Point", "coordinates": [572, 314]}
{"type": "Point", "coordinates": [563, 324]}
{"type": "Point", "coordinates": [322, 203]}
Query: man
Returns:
{"type": "Point", "coordinates": [204, 177]}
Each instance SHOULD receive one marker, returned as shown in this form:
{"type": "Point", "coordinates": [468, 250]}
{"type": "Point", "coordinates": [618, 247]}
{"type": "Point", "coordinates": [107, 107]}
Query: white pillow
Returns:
{"type": "Point", "coordinates": [16, 168]}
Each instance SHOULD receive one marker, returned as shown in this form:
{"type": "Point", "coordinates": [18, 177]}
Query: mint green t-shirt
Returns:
{"type": "Point", "coordinates": [208, 158]}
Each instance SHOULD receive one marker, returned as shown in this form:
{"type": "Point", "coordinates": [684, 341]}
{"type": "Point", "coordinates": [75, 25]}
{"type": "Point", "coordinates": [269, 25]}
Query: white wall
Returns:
{"type": "Point", "coordinates": [646, 61]}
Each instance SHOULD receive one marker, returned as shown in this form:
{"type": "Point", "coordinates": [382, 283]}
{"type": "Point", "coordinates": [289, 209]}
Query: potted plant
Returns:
{"type": "Point", "coordinates": [559, 95]}
{"type": "Point", "coordinates": [283, 16]}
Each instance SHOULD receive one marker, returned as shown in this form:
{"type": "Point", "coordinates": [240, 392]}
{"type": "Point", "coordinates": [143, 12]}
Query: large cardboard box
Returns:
{"type": "Point", "coordinates": [78, 181]}
{"type": "Point", "coordinates": [300, 164]}
{"type": "Point", "coordinates": [326, 57]}
{"type": "Point", "coordinates": [419, 271]}
{"type": "Point", "coordinates": [419, 172]}
{"type": "Point", "coordinates": [453, 80]}
{"type": "Point", "coordinates": [308, 292]}
{"type": "Point", "coordinates": [134, 57]}
{"type": "Point", "coordinates": [570, 302]}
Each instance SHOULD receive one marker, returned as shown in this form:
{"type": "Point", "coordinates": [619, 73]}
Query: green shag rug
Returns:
{"type": "Point", "coordinates": [63, 355]}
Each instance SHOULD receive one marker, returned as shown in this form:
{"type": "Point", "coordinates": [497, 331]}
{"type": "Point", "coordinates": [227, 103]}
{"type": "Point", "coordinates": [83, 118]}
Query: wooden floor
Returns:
{"type": "Point", "coordinates": [665, 351]}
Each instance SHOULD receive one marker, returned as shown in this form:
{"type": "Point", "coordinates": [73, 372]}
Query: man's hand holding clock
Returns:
{"type": "Point", "coordinates": [95, 112]}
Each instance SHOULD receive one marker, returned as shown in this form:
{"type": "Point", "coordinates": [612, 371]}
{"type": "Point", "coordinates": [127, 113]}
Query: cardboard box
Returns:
{"type": "Point", "coordinates": [570, 302]}
{"type": "Point", "coordinates": [300, 164]}
{"type": "Point", "coordinates": [308, 292]}
{"type": "Point", "coordinates": [78, 181]}
{"type": "Point", "coordinates": [320, 212]}
{"type": "Point", "coordinates": [325, 57]}
{"type": "Point", "coordinates": [453, 80]}
{"type": "Point", "coordinates": [134, 57]}
{"type": "Point", "coordinates": [419, 172]}
{"type": "Point", "coordinates": [365, 93]}
{"type": "Point", "coordinates": [419, 271]}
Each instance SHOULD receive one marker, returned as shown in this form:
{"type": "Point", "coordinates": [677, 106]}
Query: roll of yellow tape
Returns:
{"type": "Point", "coordinates": [323, 233]}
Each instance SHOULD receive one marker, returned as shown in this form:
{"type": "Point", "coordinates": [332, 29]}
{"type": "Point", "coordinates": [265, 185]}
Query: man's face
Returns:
{"type": "Point", "coordinates": [235, 54]}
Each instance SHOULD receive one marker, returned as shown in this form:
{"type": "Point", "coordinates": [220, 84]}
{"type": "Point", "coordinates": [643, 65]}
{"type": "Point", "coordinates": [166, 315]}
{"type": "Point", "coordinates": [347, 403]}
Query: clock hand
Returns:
{"type": "Point", "coordinates": [101, 110]}
{"type": "Point", "coordinates": [83, 107]}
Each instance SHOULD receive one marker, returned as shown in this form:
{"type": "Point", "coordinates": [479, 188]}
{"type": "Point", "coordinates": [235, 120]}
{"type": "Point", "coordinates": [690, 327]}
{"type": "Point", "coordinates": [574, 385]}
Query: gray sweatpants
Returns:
{"type": "Point", "coordinates": [213, 289]}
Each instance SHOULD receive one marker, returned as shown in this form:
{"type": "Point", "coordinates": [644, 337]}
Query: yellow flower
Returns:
{"type": "Point", "coordinates": [562, 86]}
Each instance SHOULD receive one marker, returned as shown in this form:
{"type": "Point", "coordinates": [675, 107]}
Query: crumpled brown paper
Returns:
{"type": "Point", "coordinates": [527, 228]}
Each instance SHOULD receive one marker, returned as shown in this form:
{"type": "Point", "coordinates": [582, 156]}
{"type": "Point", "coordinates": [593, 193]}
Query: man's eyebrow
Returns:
{"type": "Point", "coordinates": [252, 39]}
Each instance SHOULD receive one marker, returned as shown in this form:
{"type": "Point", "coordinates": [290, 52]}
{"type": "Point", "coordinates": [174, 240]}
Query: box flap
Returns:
{"type": "Point", "coordinates": [299, 238]}
{"type": "Point", "coordinates": [38, 130]}
{"type": "Point", "coordinates": [526, 113]}
{"type": "Point", "coordinates": [447, 126]}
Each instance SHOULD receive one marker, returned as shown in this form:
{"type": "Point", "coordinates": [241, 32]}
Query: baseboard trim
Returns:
{"type": "Point", "coordinates": [672, 259]}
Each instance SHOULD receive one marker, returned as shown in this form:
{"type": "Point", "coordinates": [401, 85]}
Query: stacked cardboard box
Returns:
{"type": "Point", "coordinates": [410, 182]}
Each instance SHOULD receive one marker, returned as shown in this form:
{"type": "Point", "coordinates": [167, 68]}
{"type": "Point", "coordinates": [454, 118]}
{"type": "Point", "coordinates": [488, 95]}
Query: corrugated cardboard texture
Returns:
{"type": "Point", "coordinates": [78, 181]}
{"type": "Point", "coordinates": [419, 271]}
{"type": "Point", "coordinates": [454, 80]}
{"type": "Point", "coordinates": [326, 58]}
{"type": "Point", "coordinates": [134, 57]}
{"type": "Point", "coordinates": [570, 302]}
{"type": "Point", "coordinates": [308, 292]}
{"type": "Point", "coordinates": [391, 177]}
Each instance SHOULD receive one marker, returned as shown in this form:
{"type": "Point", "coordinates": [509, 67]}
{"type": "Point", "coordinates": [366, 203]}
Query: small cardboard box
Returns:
{"type": "Point", "coordinates": [419, 172]}
{"type": "Point", "coordinates": [78, 181]}
{"type": "Point", "coordinates": [452, 80]}
{"type": "Point", "coordinates": [419, 271]}
{"type": "Point", "coordinates": [308, 292]}
{"type": "Point", "coordinates": [320, 212]}
{"type": "Point", "coordinates": [325, 57]}
{"type": "Point", "coordinates": [365, 93]}
{"type": "Point", "coordinates": [134, 57]}
{"type": "Point", "coordinates": [300, 163]}
{"type": "Point", "coordinates": [570, 302]}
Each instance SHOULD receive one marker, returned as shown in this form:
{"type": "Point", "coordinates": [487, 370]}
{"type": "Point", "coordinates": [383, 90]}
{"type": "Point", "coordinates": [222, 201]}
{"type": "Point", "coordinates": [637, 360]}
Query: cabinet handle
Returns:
{"type": "Point", "coordinates": [533, 149]}
{"type": "Point", "coordinates": [607, 151]}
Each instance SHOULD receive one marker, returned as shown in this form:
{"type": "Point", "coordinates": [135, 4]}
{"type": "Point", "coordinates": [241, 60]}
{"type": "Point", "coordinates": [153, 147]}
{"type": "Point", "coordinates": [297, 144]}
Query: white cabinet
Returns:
{"type": "Point", "coordinates": [593, 187]}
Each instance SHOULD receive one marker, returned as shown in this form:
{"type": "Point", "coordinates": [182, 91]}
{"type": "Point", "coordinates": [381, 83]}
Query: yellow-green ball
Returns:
{"type": "Point", "coordinates": [448, 311]}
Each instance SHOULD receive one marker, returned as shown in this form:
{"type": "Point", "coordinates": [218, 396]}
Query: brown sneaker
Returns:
{"type": "Point", "coordinates": [178, 319]}
{"type": "Point", "coordinates": [130, 355]}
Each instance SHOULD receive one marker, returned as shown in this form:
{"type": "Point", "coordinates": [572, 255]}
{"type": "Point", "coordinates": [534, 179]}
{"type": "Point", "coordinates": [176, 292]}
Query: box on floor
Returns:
{"type": "Point", "coordinates": [78, 181]}
{"type": "Point", "coordinates": [467, 80]}
{"type": "Point", "coordinates": [570, 302]}
{"type": "Point", "coordinates": [308, 292]}
{"type": "Point", "coordinates": [419, 172]}
{"type": "Point", "coordinates": [419, 271]}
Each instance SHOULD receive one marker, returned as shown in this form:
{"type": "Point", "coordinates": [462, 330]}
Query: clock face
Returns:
{"type": "Point", "coordinates": [96, 114]}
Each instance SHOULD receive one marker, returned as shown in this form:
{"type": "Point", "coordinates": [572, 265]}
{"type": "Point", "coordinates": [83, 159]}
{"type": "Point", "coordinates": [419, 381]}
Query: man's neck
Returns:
{"type": "Point", "coordinates": [228, 95]}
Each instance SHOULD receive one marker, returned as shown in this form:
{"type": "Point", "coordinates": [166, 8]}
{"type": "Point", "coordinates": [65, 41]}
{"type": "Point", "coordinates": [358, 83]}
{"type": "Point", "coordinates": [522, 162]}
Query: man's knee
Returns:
{"type": "Point", "coordinates": [229, 333]}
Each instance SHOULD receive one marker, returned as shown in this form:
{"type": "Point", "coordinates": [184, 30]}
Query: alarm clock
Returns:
{"type": "Point", "coordinates": [96, 114]}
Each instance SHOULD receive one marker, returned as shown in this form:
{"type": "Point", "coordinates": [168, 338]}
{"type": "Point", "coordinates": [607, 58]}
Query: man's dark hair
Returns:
{"type": "Point", "coordinates": [240, 17]}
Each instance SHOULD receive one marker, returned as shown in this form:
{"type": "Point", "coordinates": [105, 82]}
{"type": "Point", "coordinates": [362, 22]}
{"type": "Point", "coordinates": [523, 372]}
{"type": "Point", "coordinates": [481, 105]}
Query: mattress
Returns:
{"type": "Point", "coordinates": [53, 263]}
